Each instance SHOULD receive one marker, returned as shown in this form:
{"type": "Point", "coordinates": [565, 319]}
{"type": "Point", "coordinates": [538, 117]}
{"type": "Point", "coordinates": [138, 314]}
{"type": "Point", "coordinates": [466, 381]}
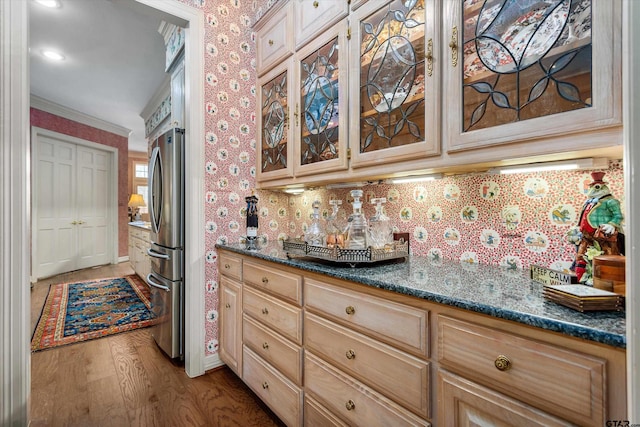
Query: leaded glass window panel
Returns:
{"type": "Point", "coordinates": [319, 100]}
{"type": "Point", "coordinates": [524, 59]}
{"type": "Point", "coordinates": [274, 124]}
{"type": "Point", "coordinates": [392, 55]}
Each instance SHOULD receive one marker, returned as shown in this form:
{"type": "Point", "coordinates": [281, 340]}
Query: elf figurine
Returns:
{"type": "Point", "coordinates": [599, 222]}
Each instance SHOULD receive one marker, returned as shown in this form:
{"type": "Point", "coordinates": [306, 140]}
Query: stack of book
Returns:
{"type": "Point", "coordinates": [583, 298]}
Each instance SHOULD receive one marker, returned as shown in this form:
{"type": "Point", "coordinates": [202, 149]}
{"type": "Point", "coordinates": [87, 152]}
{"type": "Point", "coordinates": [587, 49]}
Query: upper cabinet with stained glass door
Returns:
{"type": "Point", "coordinates": [517, 70]}
{"type": "Point", "coordinates": [394, 99]}
{"type": "Point", "coordinates": [275, 133]}
{"type": "Point", "coordinates": [320, 112]}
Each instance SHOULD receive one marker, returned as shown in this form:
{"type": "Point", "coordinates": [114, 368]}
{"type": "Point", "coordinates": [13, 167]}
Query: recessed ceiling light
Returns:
{"type": "Point", "coordinates": [53, 55]}
{"type": "Point", "coordinates": [49, 3]}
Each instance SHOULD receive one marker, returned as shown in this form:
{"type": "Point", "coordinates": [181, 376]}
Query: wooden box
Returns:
{"type": "Point", "coordinates": [609, 273]}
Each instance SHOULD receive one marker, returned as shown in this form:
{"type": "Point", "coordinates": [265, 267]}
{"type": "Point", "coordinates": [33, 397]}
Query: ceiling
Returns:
{"type": "Point", "coordinates": [114, 59]}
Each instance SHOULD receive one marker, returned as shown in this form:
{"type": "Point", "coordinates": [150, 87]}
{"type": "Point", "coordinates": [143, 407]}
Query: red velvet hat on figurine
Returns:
{"type": "Point", "coordinates": [597, 178]}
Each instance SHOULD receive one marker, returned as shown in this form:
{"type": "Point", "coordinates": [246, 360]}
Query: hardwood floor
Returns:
{"type": "Point", "coordinates": [125, 380]}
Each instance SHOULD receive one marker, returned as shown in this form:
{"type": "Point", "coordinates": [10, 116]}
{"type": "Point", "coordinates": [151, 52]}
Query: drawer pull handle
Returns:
{"type": "Point", "coordinates": [227, 266]}
{"type": "Point", "coordinates": [350, 309]}
{"type": "Point", "coordinates": [270, 42]}
{"type": "Point", "coordinates": [227, 305]}
{"type": "Point", "coordinates": [265, 345]}
{"type": "Point", "coordinates": [265, 311]}
{"type": "Point", "coordinates": [316, 4]}
{"type": "Point", "coordinates": [351, 354]}
{"type": "Point", "coordinates": [265, 280]}
{"type": "Point", "coordinates": [350, 405]}
{"type": "Point", "coordinates": [265, 385]}
{"type": "Point", "coordinates": [502, 363]}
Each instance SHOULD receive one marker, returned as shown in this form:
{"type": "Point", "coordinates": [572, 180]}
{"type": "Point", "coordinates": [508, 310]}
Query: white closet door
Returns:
{"type": "Point", "coordinates": [55, 202]}
{"type": "Point", "coordinates": [70, 206]}
{"type": "Point", "coordinates": [93, 207]}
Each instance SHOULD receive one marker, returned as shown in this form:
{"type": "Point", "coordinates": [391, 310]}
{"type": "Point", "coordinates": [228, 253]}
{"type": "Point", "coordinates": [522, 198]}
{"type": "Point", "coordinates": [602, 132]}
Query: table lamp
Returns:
{"type": "Point", "coordinates": [135, 201]}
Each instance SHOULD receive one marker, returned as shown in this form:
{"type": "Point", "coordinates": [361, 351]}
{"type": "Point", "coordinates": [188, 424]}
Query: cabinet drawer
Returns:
{"type": "Point", "coordinates": [351, 400]}
{"type": "Point", "coordinates": [282, 396]}
{"type": "Point", "coordinates": [314, 17]}
{"type": "Point", "coordinates": [316, 415]}
{"type": "Point", "coordinates": [230, 266]}
{"type": "Point", "coordinates": [465, 403]}
{"type": "Point", "coordinates": [275, 39]}
{"type": "Point", "coordinates": [404, 378]}
{"type": "Point", "coordinates": [565, 383]}
{"type": "Point", "coordinates": [280, 316]}
{"type": "Point", "coordinates": [283, 284]}
{"type": "Point", "coordinates": [397, 324]}
{"type": "Point", "coordinates": [278, 351]}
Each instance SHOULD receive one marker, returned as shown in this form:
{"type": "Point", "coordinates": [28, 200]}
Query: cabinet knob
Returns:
{"type": "Point", "coordinates": [265, 311]}
{"type": "Point", "coordinates": [265, 385]}
{"type": "Point", "coordinates": [227, 305]}
{"type": "Point", "coordinates": [350, 405]}
{"type": "Point", "coordinates": [227, 266]}
{"type": "Point", "coordinates": [270, 42]}
{"type": "Point", "coordinates": [265, 345]}
{"type": "Point", "coordinates": [350, 309]}
{"type": "Point", "coordinates": [74, 222]}
{"type": "Point", "coordinates": [502, 363]}
{"type": "Point", "coordinates": [265, 280]}
{"type": "Point", "coordinates": [429, 57]}
{"type": "Point", "coordinates": [316, 4]}
{"type": "Point", "coordinates": [351, 354]}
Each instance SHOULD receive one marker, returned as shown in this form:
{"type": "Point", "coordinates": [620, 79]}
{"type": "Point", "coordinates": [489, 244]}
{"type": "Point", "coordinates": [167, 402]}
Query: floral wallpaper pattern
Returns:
{"type": "Point", "coordinates": [509, 220]}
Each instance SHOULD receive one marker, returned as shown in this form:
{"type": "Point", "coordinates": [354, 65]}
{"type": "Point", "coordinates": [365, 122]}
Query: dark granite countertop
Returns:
{"type": "Point", "coordinates": [496, 291]}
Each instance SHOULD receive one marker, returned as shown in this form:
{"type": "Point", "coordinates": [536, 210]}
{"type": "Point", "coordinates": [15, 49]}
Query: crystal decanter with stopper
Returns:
{"type": "Point", "coordinates": [380, 228]}
{"type": "Point", "coordinates": [335, 227]}
{"type": "Point", "coordinates": [315, 234]}
{"type": "Point", "coordinates": [357, 228]}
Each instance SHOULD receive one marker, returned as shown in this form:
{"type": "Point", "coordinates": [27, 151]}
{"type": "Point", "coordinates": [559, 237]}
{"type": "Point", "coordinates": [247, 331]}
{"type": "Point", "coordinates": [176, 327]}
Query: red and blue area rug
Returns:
{"type": "Point", "coordinates": [75, 312]}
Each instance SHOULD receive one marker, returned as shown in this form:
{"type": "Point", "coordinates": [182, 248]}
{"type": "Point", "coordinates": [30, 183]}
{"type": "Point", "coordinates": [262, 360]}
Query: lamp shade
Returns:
{"type": "Point", "coordinates": [136, 200]}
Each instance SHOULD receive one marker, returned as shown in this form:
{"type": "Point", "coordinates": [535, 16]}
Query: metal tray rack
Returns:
{"type": "Point", "coordinates": [351, 256]}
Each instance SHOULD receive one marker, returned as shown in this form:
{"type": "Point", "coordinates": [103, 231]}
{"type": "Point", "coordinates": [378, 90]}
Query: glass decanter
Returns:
{"type": "Point", "coordinates": [315, 234]}
{"type": "Point", "coordinates": [357, 228]}
{"type": "Point", "coordinates": [380, 228]}
{"type": "Point", "coordinates": [335, 226]}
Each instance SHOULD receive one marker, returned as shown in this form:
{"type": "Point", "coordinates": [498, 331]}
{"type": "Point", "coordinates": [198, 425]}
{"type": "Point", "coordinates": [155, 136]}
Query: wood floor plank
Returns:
{"type": "Point", "coordinates": [125, 380]}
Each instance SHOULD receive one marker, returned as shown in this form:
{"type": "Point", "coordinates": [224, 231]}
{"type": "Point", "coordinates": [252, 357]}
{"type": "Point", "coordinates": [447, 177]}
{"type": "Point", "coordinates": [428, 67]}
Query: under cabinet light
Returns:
{"type": "Point", "coordinates": [338, 185]}
{"type": "Point", "coordinates": [415, 178]}
{"type": "Point", "coordinates": [51, 54]}
{"type": "Point", "coordinates": [578, 164]}
{"type": "Point", "coordinates": [294, 190]}
{"type": "Point", "coordinates": [49, 3]}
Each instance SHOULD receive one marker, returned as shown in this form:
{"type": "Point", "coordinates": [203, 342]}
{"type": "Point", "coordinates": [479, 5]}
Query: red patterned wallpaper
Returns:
{"type": "Point", "coordinates": [59, 124]}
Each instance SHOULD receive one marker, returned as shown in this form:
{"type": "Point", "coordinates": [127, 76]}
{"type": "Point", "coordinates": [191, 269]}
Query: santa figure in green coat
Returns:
{"type": "Point", "coordinates": [599, 222]}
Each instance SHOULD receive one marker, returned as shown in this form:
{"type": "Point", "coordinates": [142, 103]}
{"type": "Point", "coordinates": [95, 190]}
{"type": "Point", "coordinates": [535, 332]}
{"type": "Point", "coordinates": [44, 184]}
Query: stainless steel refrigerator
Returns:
{"type": "Point", "coordinates": [166, 211]}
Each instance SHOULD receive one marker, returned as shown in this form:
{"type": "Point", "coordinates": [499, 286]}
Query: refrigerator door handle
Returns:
{"type": "Point", "coordinates": [157, 254]}
{"type": "Point", "coordinates": [156, 285]}
{"type": "Point", "coordinates": [155, 192]}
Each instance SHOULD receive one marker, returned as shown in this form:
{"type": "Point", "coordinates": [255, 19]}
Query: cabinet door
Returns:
{"type": "Point", "coordinates": [465, 403]}
{"type": "Point", "coordinates": [177, 96]}
{"type": "Point", "coordinates": [393, 88]}
{"type": "Point", "coordinates": [274, 38]}
{"type": "Point", "coordinates": [275, 151]}
{"type": "Point", "coordinates": [312, 18]}
{"type": "Point", "coordinates": [321, 110]}
{"type": "Point", "coordinates": [516, 71]}
{"type": "Point", "coordinates": [231, 324]}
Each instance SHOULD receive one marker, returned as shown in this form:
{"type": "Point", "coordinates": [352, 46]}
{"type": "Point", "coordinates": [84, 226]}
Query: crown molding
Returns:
{"type": "Point", "coordinates": [76, 116]}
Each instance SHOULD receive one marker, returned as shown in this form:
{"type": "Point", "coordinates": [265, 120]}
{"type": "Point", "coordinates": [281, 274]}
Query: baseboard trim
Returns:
{"type": "Point", "coordinates": [212, 361]}
{"type": "Point", "coordinates": [123, 259]}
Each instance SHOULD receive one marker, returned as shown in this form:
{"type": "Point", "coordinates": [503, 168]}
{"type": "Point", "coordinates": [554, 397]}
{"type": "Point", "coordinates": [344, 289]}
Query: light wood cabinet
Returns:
{"type": "Point", "coordinates": [274, 39]}
{"type": "Point", "coordinates": [352, 354]}
{"type": "Point", "coordinates": [314, 17]}
{"type": "Point", "coordinates": [231, 324]}
{"type": "Point", "coordinates": [512, 74]}
{"type": "Point", "coordinates": [430, 89]}
{"type": "Point", "coordinates": [139, 242]}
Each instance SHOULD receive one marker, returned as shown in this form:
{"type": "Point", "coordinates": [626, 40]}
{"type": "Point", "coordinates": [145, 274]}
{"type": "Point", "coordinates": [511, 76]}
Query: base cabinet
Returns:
{"type": "Point", "coordinates": [322, 351]}
{"type": "Point", "coordinates": [139, 242]}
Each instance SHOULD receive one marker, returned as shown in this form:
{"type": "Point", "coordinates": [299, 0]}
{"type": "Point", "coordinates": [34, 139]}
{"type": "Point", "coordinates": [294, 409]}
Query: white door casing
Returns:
{"type": "Point", "coordinates": [74, 206]}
